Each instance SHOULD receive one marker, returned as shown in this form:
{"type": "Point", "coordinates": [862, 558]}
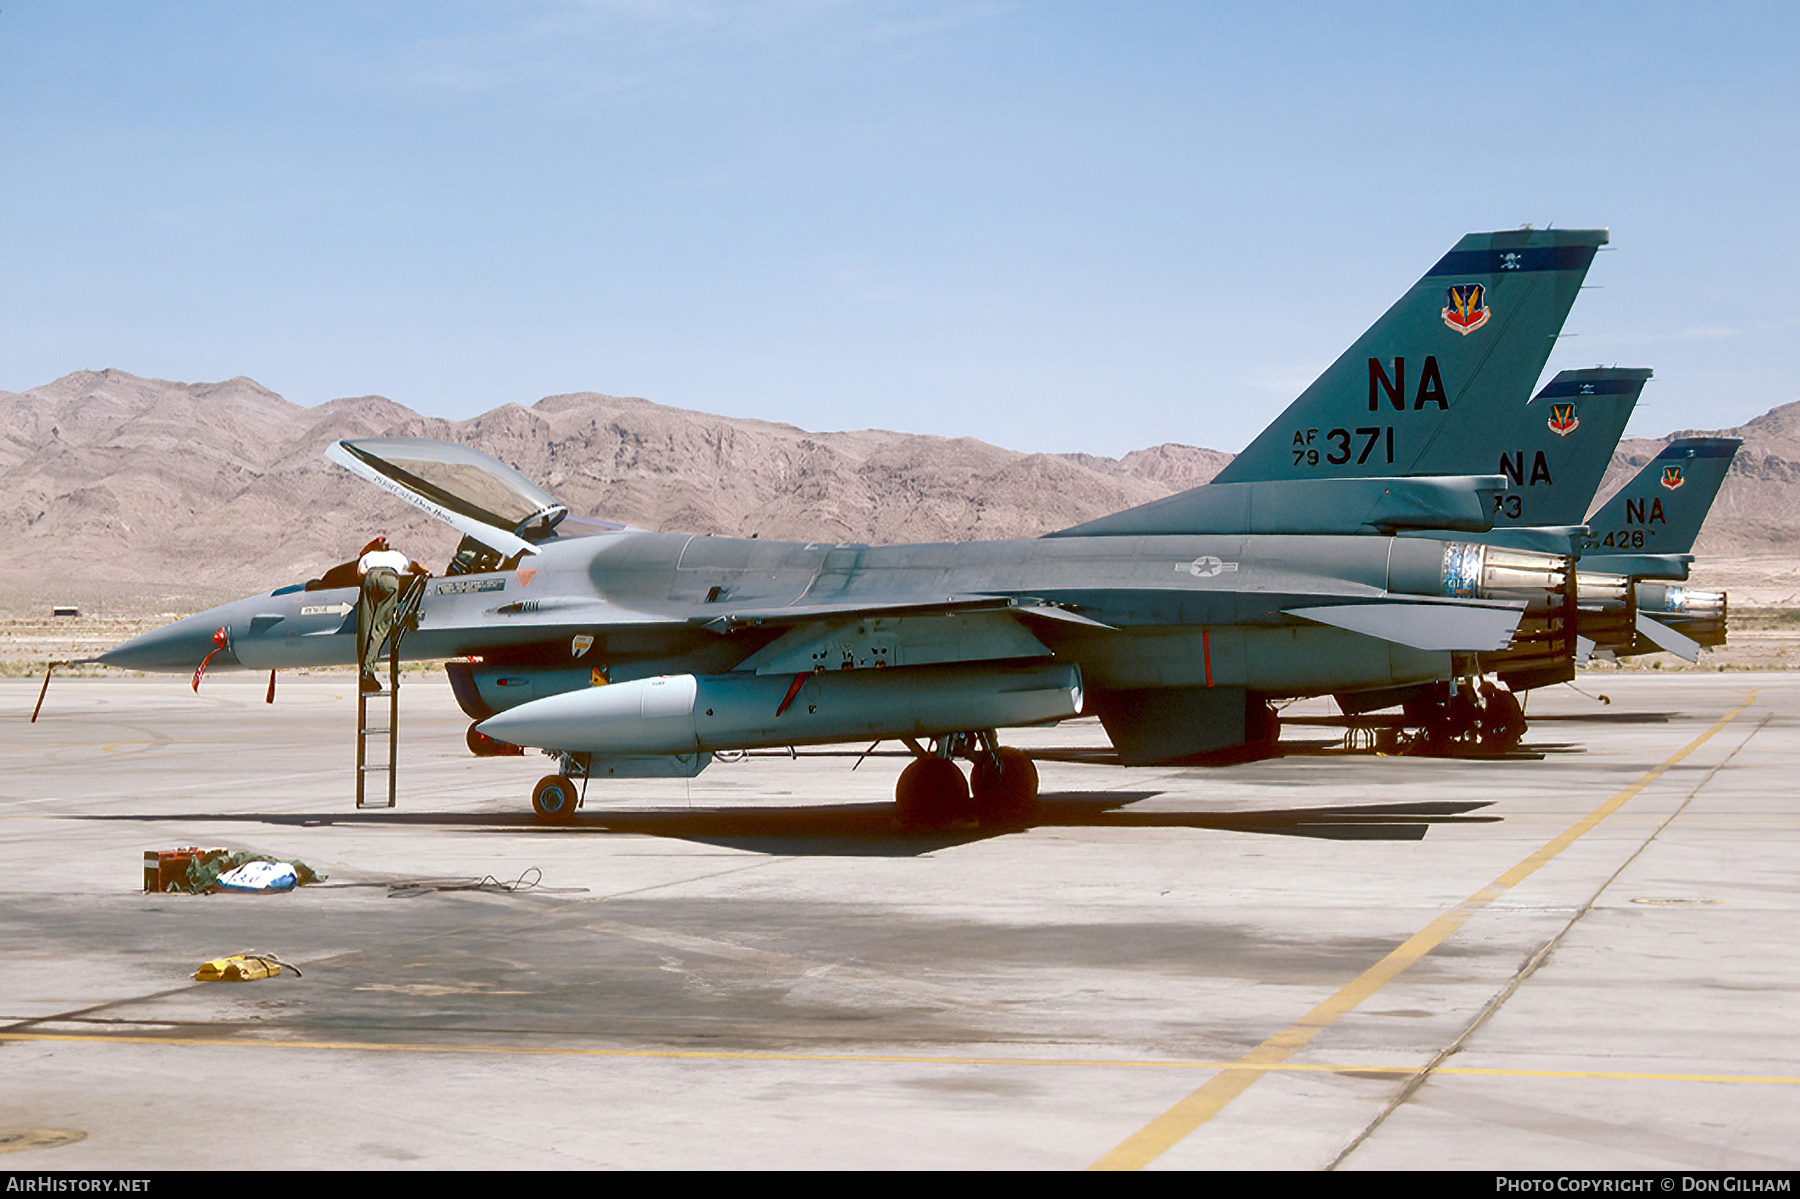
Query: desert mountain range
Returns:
{"type": "Point", "coordinates": [222, 487]}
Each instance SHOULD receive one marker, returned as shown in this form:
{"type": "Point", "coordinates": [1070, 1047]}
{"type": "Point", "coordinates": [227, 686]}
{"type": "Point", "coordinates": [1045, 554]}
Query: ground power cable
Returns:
{"type": "Point", "coordinates": [488, 883]}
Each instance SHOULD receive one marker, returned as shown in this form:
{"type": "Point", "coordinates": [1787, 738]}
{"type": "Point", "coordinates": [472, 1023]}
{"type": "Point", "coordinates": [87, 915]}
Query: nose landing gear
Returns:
{"type": "Point", "coordinates": [554, 799]}
{"type": "Point", "coordinates": [556, 796]}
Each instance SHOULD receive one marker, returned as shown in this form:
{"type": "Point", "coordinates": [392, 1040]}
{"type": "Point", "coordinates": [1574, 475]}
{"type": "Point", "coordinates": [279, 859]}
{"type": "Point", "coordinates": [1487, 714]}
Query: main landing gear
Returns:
{"type": "Point", "coordinates": [932, 794]}
{"type": "Point", "coordinates": [1472, 721]}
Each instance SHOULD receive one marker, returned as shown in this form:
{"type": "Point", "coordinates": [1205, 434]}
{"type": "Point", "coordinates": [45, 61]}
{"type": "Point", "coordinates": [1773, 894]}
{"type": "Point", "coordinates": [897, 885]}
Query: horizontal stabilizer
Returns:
{"type": "Point", "coordinates": [1663, 637]}
{"type": "Point", "coordinates": [1472, 627]}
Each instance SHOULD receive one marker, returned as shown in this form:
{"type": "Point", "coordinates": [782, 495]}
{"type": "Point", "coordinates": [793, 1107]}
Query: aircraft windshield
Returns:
{"type": "Point", "coordinates": [463, 480]}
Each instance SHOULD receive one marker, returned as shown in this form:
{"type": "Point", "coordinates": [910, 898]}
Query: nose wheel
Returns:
{"type": "Point", "coordinates": [555, 798]}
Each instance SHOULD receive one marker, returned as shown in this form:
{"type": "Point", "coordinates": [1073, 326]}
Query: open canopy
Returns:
{"type": "Point", "coordinates": [470, 491]}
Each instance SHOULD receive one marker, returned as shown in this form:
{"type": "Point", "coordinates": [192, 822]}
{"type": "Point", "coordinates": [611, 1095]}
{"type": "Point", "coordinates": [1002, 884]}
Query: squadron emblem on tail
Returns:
{"type": "Point", "coordinates": [1468, 308]}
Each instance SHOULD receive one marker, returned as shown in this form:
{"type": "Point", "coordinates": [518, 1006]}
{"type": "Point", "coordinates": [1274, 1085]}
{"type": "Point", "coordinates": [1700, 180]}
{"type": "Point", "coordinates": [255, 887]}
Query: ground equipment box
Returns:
{"type": "Point", "coordinates": [167, 869]}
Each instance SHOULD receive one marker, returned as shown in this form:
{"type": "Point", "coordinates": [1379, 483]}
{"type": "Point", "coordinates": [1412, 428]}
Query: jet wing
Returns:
{"type": "Point", "coordinates": [973, 628]}
{"type": "Point", "coordinates": [791, 614]}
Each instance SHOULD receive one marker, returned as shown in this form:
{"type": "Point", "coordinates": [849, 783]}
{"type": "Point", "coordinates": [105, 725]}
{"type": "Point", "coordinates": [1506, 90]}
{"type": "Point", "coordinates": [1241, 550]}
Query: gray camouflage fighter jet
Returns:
{"type": "Point", "coordinates": [630, 653]}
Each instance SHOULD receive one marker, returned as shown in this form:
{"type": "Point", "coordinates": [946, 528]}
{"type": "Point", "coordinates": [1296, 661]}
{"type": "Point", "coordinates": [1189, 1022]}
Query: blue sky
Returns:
{"type": "Point", "coordinates": [1052, 226]}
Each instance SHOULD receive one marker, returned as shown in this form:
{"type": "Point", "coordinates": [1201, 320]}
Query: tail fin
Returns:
{"type": "Point", "coordinates": [1469, 338]}
{"type": "Point", "coordinates": [1661, 510]}
{"type": "Point", "coordinates": [1559, 447]}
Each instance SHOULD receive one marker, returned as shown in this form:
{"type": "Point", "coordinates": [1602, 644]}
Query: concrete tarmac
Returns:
{"type": "Point", "coordinates": [1581, 957]}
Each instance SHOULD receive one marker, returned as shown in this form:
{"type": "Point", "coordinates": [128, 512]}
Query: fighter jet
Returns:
{"type": "Point", "coordinates": [623, 652]}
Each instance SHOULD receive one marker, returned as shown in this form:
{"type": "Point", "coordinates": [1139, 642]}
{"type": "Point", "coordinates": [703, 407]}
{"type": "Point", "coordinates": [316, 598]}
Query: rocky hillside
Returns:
{"type": "Point", "coordinates": [117, 478]}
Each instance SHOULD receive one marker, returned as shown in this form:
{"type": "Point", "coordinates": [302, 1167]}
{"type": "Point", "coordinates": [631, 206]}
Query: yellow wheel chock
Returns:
{"type": "Point", "coordinates": [244, 967]}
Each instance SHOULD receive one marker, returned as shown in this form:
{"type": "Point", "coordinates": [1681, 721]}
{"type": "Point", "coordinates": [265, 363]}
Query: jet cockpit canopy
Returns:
{"type": "Point", "coordinates": [472, 492]}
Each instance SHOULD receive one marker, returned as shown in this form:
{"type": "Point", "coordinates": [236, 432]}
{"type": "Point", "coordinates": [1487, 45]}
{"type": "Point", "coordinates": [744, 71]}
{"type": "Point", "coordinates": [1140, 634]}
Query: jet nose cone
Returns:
{"type": "Point", "coordinates": [175, 648]}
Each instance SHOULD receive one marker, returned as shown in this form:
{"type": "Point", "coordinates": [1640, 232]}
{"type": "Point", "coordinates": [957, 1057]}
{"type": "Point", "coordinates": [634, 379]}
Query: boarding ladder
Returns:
{"type": "Point", "coordinates": [406, 617]}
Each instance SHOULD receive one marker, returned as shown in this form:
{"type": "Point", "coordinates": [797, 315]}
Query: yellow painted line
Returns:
{"type": "Point", "coordinates": [899, 1059]}
{"type": "Point", "coordinates": [1173, 1125]}
{"type": "Point", "coordinates": [1615, 1075]}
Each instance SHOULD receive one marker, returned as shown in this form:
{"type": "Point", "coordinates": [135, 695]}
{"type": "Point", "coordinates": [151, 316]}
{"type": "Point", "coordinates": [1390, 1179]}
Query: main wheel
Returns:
{"type": "Point", "coordinates": [1262, 724]}
{"type": "Point", "coordinates": [931, 793]}
{"type": "Point", "coordinates": [1007, 795]}
{"type": "Point", "coordinates": [1502, 722]}
{"type": "Point", "coordinates": [554, 799]}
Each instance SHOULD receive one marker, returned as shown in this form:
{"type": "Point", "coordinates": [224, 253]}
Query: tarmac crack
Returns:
{"type": "Point", "coordinates": [1537, 959]}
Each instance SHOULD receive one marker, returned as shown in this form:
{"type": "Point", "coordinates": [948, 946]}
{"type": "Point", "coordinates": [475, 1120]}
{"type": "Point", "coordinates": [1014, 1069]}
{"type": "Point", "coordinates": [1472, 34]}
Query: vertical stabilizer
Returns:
{"type": "Point", "coordinates": [1471, 337]}
{"type": "Point", "coordinates": [1561, 444]}
{"type": "Point", "coordinates": [1661, 510]}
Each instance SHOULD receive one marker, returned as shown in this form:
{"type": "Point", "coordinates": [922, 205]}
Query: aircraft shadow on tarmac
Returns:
{"type": "Point", "coordinates": [1302, 749]}
{"type": "Point", "coordinates": [868, 830]}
